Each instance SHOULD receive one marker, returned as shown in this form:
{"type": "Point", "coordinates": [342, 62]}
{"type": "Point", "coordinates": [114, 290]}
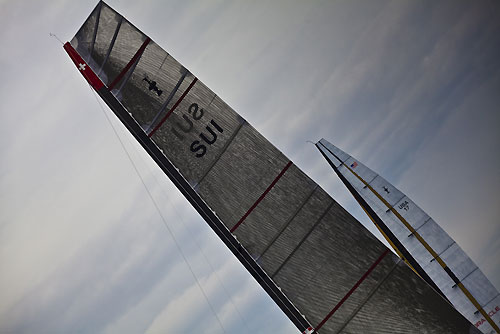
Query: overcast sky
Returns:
{"type": "Point", "coordinates": [410, 88]}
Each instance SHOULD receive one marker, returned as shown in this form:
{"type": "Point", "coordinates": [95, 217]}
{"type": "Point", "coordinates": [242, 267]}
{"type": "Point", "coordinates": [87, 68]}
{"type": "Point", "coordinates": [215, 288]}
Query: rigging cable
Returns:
{"type": "Point", "coordinates": [190, 232]}
{"type": "Point", "coordinates": [55, 36]}
{"type": "Point", "coordinates": [159, 212]}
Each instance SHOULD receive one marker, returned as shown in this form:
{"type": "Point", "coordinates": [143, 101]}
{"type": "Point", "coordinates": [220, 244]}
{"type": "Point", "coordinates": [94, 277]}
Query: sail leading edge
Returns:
{"type": "Point", "coordinates": [322, 267]}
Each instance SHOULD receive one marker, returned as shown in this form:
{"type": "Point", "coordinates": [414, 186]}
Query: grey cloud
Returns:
{"type": "Point", "coordinates": [403, 86]}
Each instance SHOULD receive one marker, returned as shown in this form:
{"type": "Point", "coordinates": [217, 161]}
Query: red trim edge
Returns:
{"type": "Point", "coordinates": [348, 294]}
{"type": "Point", "coordinates": [130, 63]}
{"type": "Point", "coordinates": [173, 108]}
{"type": "Point", "coordinates": [83, 67]}
{"type": "Point", "coordinates": [261, 197]}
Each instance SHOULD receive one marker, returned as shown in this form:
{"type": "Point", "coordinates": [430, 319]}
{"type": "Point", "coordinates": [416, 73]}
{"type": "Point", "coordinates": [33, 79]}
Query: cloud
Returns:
{"type": "Point", "coordinates": [462, 169]}
{"type": "Point", "coordinates": [409, 88]}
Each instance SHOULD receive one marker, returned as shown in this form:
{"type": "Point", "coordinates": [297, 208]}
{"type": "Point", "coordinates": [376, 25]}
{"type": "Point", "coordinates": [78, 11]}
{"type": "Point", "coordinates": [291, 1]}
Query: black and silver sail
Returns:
{"type": "Point", "coordinates": [321, 266]}
{"type": "Point", "coordinates": [419, 239]}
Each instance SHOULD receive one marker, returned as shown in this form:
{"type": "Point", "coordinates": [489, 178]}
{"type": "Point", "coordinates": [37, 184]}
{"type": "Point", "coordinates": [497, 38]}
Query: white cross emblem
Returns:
{"type": "Point", "coordinates": [81, 67]}
{"type": "Point", "coordinates": [309, 330]}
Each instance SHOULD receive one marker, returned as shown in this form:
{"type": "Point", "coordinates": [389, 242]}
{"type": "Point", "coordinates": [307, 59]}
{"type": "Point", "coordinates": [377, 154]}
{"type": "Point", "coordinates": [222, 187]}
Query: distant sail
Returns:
{"type": "Point", "coordinates": [322, 268]}
{"type": "Point", "coordinates": [414, 233]}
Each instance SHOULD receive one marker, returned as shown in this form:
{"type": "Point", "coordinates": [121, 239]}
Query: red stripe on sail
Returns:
{"type": "Point", "coordinates": [173, 108]}
{"type": "Point", "coordinates": [83, 67]}
{"type": "Point", "coordinates": [261, 197]}
{"type": "Point", "coordinates": [130, 63]}
{"type": "Point", "coordinates": [358, 283]}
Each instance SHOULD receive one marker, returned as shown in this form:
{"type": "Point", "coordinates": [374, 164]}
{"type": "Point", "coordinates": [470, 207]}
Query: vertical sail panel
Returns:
{"type": "Point", "coordinates": [362, 171]}
{"type": "Point", "coordinates": [299, 236]}
{"type": "Point", "coordinates": [241, 175]}
{"type": "Point", "coordinates": [101, 33]}
{"type": "Point", "coordinates": [415, 298]}
{"type": "Point", "coordinates": [149, 83]}
{"type": "Point", "coordinates": [82, 42]}
{"type": "Point", "coordinates": [434, 250]}
{"type": "Point", "coordinates": [411, 212]}
{"type": "Point", "coordinates": [198, 132]}
{"type": "Point", "coordinates": [325, 255]}
{"type": "Point", "coordinates": [281, 203]}
{"type": "Point", "coordinates": [275, 255]}
{"type": "Point", "coordinates": [127, 41]}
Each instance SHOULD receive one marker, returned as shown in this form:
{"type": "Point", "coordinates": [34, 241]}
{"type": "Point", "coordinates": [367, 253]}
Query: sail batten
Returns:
{"type": "Point", "coordinates": [350, 292]}
{"type": "Point", "coordinates": [285, 226]}
{"type": "Point", "coordinates": [131, 63]}
{"type": "Point", "coordinates": [111, 44]}
{"type": "Point", "coordinates": [261, 197]}
{"type": "Point", "coordinates": [94, 35]}
{"type": "Point", "coordinates": [167, 101]}
{"type": "Point", "coordinates": [298, 243]}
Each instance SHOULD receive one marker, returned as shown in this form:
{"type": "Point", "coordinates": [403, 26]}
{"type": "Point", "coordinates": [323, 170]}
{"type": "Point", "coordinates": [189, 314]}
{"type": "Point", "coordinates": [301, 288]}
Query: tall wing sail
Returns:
{"type": "Point", "coordinates": [431, 249]}
{"type": "Point", "coordinates": [321, 266]}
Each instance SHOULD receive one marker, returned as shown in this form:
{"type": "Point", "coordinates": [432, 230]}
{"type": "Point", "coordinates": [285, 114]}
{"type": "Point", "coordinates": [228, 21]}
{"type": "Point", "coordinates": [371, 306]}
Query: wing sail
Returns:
{"type": "Point", "coordinates": [435, 252]}
{"type": "Point", "coordinates": [320, 265]}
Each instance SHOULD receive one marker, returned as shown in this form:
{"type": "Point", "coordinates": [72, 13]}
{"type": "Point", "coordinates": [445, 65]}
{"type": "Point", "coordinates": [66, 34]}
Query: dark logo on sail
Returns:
{"type": "Point", "coordinates": [206, 138]}
{"type": "Point", "coordinates": [152, 86]}
{"type": "Point", "coordinates": [404, 206]}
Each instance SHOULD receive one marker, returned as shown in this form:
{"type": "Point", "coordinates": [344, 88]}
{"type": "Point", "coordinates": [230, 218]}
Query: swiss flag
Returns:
{"type": "Point", "coordinates": [83, 67]}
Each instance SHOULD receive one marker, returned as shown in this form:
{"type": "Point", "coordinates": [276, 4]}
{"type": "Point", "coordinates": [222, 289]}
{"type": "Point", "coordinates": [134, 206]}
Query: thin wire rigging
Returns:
{"type": "Point", "coordinates": [191, 233]}
{"type": "Point", "coordinates": [55, 36]}
{"type": "Point", "coordinates": [159, 212]}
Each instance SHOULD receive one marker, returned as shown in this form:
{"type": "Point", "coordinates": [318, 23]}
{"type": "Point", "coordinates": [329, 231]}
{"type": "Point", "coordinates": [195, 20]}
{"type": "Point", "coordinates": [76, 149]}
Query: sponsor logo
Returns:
{"type": "Point", "coordinates": [490, 313]}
